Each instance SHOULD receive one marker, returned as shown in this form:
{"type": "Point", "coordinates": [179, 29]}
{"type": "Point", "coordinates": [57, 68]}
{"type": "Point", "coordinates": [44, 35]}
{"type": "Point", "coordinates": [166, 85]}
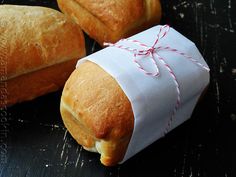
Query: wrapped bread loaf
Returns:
{"type": "Point", "coordinates": [39, 48]}
{"type": "Point", "coordinates": [121, 99]}
{"type": "Point", "coordinates": [111, 20]}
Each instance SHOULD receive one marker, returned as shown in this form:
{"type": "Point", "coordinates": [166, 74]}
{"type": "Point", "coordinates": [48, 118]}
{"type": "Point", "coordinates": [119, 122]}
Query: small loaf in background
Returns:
{"type": "Point", "coordinates": [111, 20]}
{"type": "Point", "coordinates": [97, 113]}
{"type": "Point", "coordinates": [39, 48]}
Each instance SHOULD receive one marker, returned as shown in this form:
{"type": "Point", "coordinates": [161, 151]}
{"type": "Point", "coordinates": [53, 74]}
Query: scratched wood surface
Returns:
{"type": "Point", "coordinates": [36, 144]}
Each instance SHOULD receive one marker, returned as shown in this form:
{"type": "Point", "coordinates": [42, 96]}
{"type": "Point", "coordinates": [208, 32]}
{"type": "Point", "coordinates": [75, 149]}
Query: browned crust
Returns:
{"type": "Point", "coordinates": [94, 108]}
{"type": "Point", "coordinates": [111, 20]}
{"type": "Point", "coordinates": [115, 14]}
{"type": "Point", "coordinates": [37, 37]}
{"type": "Point", "coordinates": [31, 85]}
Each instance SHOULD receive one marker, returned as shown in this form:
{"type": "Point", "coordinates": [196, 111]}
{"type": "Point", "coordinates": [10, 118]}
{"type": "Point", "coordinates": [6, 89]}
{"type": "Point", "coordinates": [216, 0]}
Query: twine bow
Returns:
{"type": "Point", "coordinates": [151, 52]}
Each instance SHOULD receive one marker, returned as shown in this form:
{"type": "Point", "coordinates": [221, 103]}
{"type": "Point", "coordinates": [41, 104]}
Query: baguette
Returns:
{"type": "Point", "coordinates": [111, 20]}
{"type": "Point", "coordinates": [39, 49]}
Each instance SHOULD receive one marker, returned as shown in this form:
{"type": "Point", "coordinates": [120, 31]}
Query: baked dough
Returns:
{"type": "Point", "coordinates": [111, 20]}
{"type": "Point", "coordinates": [39, 48]}
{"type": "Point", "coordinates": [97, 113]}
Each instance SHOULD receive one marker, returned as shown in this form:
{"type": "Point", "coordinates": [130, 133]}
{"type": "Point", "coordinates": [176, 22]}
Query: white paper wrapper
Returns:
{"type": "Point", "coordinates": [153, 99]}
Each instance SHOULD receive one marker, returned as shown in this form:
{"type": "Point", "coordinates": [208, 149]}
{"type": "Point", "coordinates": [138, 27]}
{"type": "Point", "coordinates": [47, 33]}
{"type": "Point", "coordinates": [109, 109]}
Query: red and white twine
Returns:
{"type": "Point", "coordinates": [152, 52]}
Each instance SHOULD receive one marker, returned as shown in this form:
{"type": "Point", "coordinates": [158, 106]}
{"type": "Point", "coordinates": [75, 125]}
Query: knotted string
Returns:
{"type": "Point", "coordinates": [152, 52]}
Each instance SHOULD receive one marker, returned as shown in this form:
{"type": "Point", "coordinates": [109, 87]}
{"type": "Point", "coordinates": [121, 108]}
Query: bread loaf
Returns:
{"type": "Point", "coordinates": [100, 118]}
{"type": "Point", "coordinates": [111, 20]}
{"type": "Point", "coordinates": [39, 49]}
{"type": "Point", "coordinates": [115, 103]}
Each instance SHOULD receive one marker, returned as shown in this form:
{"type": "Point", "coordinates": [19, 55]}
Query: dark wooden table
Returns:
{"type": "Point", "coordinates": [34, 142]}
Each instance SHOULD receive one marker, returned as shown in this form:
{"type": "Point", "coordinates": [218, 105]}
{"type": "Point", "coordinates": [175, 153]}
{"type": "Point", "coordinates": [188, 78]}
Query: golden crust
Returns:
{"type": "Point", "coordinates": [113, 14]}
{"type": "Point", "coordinates": [111, 20]}
{"type": "Point", "coordinates": [37, 37]}
{"type": "Point", "coordinates": [95, 110]}
{"type": "Point", "coordinates": [38, 50]}
{"type": "Point", "coordinates": [29, 86]}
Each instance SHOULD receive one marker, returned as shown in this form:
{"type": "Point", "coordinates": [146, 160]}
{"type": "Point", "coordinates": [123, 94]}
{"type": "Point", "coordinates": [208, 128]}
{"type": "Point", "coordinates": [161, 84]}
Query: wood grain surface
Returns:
{"type": "Point", "coordinates": [35, 143]}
